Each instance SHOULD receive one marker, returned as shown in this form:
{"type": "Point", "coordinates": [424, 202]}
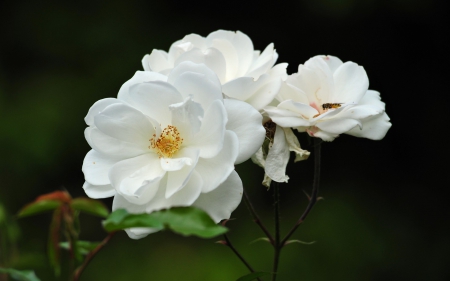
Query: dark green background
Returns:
{"type": "Point", "coordinates": [385, 214]}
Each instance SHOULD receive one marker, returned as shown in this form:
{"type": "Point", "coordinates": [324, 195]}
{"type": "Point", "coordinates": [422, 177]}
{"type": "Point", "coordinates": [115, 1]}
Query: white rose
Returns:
{"type": "Point", "coordinates": [169, 141]}
{"type": "Point", "coordinates": [327, 98]}
{"type": "Point", "coordinates": [245, 74]}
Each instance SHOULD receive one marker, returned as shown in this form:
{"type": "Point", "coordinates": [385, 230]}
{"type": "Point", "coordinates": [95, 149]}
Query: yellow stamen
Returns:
{"type": "Point", "coordinates": [168, 143]}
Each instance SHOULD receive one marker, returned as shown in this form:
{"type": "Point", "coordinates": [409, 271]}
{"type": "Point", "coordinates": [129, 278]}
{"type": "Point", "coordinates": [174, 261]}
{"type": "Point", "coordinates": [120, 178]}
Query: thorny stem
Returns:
{"type": "Point", "coordinates": [315, 191]}
{"type": "Point", "coordinates": [91, 255]}
{"type": "Point", "coordinates": [228, 243]}
{"type": "Point", "coordinates": [256, 218]}
{"type": "Point", "coordinates": [276, 244]}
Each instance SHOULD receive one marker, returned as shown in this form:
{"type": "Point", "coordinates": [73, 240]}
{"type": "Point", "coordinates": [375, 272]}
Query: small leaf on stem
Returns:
{"type": "Point", "coordinates": [38, 207]}
{"type": "Point", "coordinates": [261, 239]}
{"type": "Point", "coordinates": [298, 241]}
{"type": "Point", "coordinates": [46, 202]}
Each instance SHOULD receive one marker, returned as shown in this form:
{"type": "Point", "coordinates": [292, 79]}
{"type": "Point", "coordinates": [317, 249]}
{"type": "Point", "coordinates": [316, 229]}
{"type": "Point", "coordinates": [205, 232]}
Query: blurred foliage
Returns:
{"type": "Point", "coordinates": [384, 214]}
{"type": "Point", "coordinates": [20, 275]}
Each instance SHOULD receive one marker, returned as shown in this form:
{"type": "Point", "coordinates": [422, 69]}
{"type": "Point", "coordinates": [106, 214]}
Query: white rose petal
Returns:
{"type": "Point", "coordinates": [245, 74]}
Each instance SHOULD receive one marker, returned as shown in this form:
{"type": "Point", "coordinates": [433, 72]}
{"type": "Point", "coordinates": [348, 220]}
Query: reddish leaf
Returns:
{"type": "Point", "coordinates": [46, 202]}
{"type": "Point", "coordinates": [61, 196]}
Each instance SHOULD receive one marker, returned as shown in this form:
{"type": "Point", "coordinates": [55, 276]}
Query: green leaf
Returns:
{"type": "Point", "coordinates": [38, 207]}
{"type": "Point", "coordinates": [84, 247]}
{"type": "Point", "coordinates": [90, 206]}
{"type": "Point", "coordinates": [183, 220]}
{"type": "Point", "coordinates": [253, 276]}
{"type": "Point", "coordinates": [20, 275]}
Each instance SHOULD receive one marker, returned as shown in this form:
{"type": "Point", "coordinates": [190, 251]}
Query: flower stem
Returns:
{"type": "Point", "coordinates": [315, 191]}
{"type": "Point", "coordinates": [276, 244]}
{"type": "Point", "coordinates": [230, 245]}
{"type": "Point", "coordinates": [91, 255]}
{"type": "Point", "coordinates": [256, 218]}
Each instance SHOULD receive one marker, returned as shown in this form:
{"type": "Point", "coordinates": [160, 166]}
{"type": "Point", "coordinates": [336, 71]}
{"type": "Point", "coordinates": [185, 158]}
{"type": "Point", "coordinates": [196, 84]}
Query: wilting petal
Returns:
{"type": "Point", "coordinates": [99, 191]}
{"type": "Point", "coordinates": [220, 202]}
{"type": "Point", "coordinates": [294, 145]}
{"type": "Point", "coordinates": [278, 157]}
{"type": "Point", "coordinates": [250, 133]}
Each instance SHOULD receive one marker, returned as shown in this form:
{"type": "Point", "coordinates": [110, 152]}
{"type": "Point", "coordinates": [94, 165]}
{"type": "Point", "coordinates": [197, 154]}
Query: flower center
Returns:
{"type": "Point", "coordinates": [168, 143]}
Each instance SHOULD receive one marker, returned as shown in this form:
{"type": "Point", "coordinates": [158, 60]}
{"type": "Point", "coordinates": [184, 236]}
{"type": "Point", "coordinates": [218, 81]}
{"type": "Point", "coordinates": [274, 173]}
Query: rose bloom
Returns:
{"type": "Point", "coordinates": [245, 74]}
{"type": "Point", "coordinates": [170, 141]}
{"type": "Point", "coordinates": [327, 98]}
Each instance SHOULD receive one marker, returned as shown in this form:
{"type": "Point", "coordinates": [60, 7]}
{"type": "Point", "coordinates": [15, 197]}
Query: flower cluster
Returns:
{"type": "Point", "coordinates": [175, 131]}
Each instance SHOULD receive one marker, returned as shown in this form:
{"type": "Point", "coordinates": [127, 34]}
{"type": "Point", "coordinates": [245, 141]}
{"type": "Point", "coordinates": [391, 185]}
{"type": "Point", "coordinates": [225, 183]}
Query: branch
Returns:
{"type": "Point", "coordinates": [256, 218]}
{"type": "Point", "coordinates": [228, 243]}
{"type": "Point", "coordinates": [91, 255]}
{"type": "Point", "coordinates": [315, 191]}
